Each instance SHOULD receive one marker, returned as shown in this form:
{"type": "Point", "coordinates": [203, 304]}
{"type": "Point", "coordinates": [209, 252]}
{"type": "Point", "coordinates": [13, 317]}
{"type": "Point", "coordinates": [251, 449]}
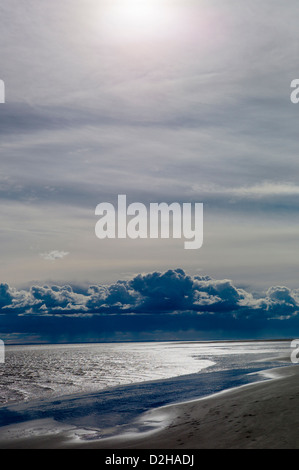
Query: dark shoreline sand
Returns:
{"type": "Point", "coordinates": [262, 415]}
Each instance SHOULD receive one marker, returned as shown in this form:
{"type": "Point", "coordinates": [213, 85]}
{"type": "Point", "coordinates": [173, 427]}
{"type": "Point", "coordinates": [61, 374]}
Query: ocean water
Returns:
{"type": "Point", "coordinates": [33, 372]}
{"type": "Point", "coordinates": [104, 387]}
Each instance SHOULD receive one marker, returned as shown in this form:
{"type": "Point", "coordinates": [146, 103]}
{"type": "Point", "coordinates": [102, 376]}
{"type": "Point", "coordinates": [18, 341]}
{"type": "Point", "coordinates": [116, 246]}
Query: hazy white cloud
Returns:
{"type": "Point", "coordinates": [203, 113]}
{"type": "Point", "coordinates": [54, 255]}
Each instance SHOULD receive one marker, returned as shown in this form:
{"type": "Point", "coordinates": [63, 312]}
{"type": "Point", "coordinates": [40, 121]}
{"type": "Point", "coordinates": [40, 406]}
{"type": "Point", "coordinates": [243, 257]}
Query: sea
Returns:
{"type": "Point", "coordinates": [104, 388]}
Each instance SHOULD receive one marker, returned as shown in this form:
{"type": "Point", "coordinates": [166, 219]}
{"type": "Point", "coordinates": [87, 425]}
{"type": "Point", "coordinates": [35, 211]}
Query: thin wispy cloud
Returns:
{"type": "Point", "coordinates": [262, 190]}
{"type": "Point", "coordinates": [267, 189]}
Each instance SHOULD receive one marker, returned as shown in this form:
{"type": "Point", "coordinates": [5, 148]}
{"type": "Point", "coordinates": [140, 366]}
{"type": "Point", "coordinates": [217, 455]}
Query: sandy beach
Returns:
{"type": "Point", "coordinates": [261, 415]}
{"type": "Point", "coordinates": [258, 416]}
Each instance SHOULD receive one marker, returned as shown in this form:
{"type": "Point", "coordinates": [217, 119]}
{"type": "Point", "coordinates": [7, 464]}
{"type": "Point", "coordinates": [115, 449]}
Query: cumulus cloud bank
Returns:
{"type": "Point", "coordinates": [155, 306]}
{"type": "Point", "coordinates": [171, 292]}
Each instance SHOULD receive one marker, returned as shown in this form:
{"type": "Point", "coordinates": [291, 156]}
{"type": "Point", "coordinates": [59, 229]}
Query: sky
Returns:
{"type": "Point", "coordinates": [164, 101]}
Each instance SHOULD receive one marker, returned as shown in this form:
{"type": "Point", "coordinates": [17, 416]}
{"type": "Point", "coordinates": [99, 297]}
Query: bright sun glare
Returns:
{"type": "Point", "coordinates": [133, 19]}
